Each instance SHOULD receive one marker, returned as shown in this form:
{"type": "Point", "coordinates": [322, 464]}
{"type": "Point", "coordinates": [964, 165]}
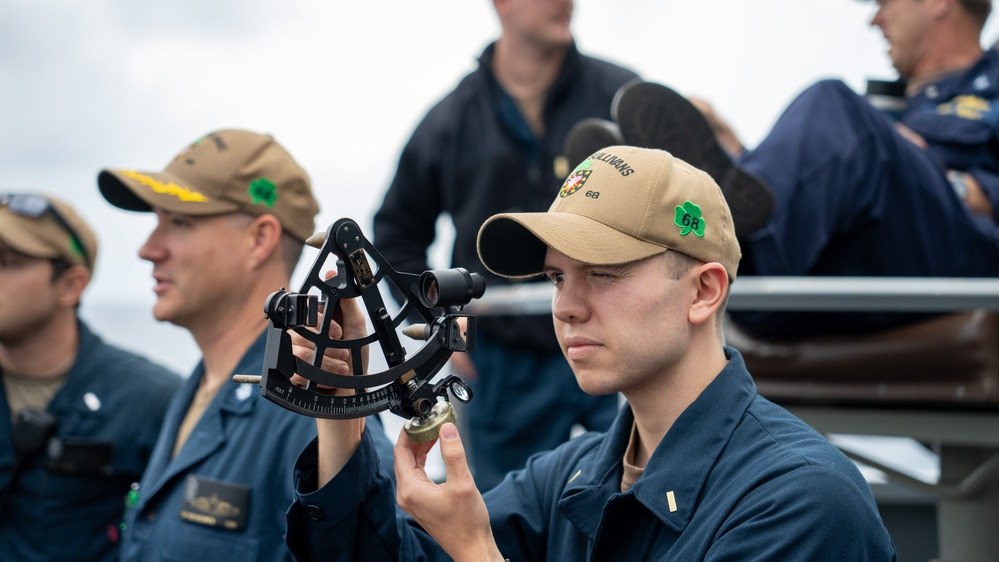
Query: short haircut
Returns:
{"type": "Point", "coordinates": [291, 252]}
{"type": "Point", "coordinates": [677, 264]}
{"type": "Point", "coordinates": [979, 10]}
{"type": "Point", "coordinates": [289, 246]}
{"type": "Point", "coordinates": [59, 267]}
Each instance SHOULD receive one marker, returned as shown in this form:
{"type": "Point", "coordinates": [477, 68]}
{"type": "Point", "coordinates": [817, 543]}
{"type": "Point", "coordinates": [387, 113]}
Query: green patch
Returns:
{"type": "Point", "coordinates": [76, 247]}
{"type": "Point", "coordinates": [263, 191]}
{"type": "Point", "coordinates": [688, 218]}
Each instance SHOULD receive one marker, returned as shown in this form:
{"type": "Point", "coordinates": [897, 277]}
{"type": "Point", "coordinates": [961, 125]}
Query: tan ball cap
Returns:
{"type": "Point", "coordinates": [46, 227]}
{"type": "Point", "coordinates": [620, 205]}
{"type": "Point", "coordinates": [223, 172]}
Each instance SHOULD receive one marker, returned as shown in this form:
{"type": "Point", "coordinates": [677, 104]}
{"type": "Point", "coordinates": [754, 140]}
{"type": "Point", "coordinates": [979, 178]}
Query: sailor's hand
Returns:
{"type": "Point", "coordinates": [348, 324]}
{"type": "Point", "coordinates": [461, 363]}
{"type": "Point", "coordinates": [977, 200]}
{"type": "Point", "coordinates": [453, 512]}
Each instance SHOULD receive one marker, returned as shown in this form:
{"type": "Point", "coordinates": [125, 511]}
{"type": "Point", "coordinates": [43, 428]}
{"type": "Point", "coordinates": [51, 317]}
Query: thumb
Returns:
{"type": "Point", "coordinates": [453, 453]}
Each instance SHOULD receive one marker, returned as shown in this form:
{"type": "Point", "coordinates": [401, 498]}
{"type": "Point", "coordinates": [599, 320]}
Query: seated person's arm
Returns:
{"type": "Point", "coordinates": [983, 192]}
{"type": "Point", "coordinates": [982, 196]}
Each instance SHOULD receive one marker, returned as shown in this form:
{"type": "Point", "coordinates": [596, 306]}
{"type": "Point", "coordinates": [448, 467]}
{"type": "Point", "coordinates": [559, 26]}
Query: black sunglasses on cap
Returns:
{"type": "Point", "coordinates": [34, 206]}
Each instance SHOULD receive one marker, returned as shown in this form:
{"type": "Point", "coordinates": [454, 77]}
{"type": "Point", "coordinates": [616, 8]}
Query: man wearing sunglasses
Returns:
{"type": "Point", "coordinates": [78, 417]}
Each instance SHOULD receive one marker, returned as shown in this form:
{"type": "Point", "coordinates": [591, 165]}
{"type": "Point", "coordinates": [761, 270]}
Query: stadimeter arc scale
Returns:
{"type": "Point", "coordinates": [409, 386]}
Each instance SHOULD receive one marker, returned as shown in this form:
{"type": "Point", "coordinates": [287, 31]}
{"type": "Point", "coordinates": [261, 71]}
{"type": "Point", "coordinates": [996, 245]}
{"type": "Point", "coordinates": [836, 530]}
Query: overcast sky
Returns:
{"type": "Point", "coordinates": [121, 83]}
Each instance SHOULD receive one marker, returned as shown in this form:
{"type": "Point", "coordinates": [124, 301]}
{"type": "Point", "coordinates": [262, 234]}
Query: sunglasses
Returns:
{"type": "Point", "coordinates": [35, 206]}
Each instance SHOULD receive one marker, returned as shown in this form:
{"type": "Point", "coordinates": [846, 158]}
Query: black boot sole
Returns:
{"type": "Point", "coordinates": [653, 116]}
{"type": "Point", "coordinates": [588, 136]}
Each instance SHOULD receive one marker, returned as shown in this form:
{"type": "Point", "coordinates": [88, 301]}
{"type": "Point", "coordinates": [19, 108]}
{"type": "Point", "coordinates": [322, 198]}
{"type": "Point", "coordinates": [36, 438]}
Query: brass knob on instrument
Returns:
{"type": "Point", "coordinates": [423, 430]}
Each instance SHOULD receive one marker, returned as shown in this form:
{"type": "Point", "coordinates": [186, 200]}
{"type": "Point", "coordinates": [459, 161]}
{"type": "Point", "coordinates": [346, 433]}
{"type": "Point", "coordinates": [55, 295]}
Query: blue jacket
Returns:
{"type": "Point", "coordinates": [749, 481]}
{"type": "Point", "coordinates": [109, 414]}
{"type": "Point", "coordinates": [959, 118]}
{"type": "Point", "coordinates": [244, 445]}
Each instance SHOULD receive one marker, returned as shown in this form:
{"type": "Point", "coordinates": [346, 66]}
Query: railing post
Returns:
{"type": "Point", "coordinates": [967, 526]}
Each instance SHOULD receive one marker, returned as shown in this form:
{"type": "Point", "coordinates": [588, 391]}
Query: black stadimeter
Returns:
{"type": "Point", "coordinates": [406, 387]}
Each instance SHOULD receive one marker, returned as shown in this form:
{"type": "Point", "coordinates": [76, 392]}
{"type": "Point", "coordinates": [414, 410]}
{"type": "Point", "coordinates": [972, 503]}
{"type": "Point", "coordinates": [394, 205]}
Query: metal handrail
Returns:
{"type": "Point", "coordinates": [909, 294]}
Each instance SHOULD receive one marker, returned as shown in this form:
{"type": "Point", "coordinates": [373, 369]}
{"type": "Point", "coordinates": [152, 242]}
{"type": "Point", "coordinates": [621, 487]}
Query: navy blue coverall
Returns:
{"type": "Point", "coordinates": [856, 198]}
{"type": "Point", "coordinates": [735, 478]}
{"type": "Point", "coordinates": [108, 413]}
{"type": "Point", "coordinates": [235, 467]}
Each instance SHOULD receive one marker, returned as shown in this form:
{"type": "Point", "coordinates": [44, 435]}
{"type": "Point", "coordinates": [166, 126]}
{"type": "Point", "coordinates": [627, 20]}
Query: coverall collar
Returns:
{"type": "Point", "coordinates": [680, 464]}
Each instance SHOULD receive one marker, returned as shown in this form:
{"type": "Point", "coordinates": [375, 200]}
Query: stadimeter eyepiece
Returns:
{"type": "Point", "coordinates": [450, 287]}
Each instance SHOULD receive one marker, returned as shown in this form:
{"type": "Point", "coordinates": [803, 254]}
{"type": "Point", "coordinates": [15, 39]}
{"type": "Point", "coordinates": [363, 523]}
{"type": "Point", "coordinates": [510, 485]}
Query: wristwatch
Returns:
{"type": "Point", "coordinates": [959, 184]}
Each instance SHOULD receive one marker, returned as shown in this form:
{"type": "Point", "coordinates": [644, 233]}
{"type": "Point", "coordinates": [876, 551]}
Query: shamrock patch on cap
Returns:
{"type": "Point", "coordinates": [263, 190]}
{"type": "Point", "coordinates": [688, 218]}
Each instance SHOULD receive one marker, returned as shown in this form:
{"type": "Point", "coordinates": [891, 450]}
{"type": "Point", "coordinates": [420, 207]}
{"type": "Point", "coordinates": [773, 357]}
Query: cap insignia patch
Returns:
{"type": "Point", "coordinates": [263, 191]}
{"type": "Point", "coordinates": [189, 148]}
{"type": "Point", "coordinates": [688, 218]}
{"type": "Point", "coordinates": [575, 181]}
{"type": "Point", "coordinates": [180, 192]}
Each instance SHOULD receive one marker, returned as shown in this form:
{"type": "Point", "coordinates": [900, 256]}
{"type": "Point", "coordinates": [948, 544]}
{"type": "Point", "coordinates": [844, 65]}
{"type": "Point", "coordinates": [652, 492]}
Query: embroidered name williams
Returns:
{"type": "Point", "coordinates": [618, 163]}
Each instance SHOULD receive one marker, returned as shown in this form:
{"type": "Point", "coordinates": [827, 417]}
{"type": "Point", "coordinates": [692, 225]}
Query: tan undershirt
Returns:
{"type": "Point", "coordinates": [32, 393]}
{"type": "Point", "coordinates": [631, 472]}
{"type": "Point", "coordinates": [202, 398]}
